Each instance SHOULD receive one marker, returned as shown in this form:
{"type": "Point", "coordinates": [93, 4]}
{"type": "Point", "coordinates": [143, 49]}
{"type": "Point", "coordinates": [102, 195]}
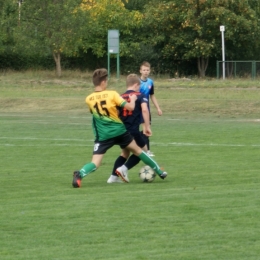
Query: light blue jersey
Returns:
{"type": "Point", "coordinates": [147, 88]}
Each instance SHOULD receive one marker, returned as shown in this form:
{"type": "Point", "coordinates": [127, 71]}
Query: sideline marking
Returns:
{"type": "Point", "coordinates": [83, 140]}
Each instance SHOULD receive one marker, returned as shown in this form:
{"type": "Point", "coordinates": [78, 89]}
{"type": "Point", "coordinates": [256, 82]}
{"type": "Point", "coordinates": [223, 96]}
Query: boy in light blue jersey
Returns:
{"type": "Point", "coordinates": [147, 88]}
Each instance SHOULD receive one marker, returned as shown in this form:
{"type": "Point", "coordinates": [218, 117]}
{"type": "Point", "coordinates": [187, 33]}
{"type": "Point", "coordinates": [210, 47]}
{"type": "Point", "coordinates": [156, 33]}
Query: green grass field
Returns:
{"type": "Point", "coordinates": [207, 207]}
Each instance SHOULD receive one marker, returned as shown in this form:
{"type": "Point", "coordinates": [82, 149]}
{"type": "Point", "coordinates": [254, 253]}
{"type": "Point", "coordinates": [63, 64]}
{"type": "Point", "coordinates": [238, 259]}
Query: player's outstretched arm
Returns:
{"type": "Point", "coordinates": [131, 105]}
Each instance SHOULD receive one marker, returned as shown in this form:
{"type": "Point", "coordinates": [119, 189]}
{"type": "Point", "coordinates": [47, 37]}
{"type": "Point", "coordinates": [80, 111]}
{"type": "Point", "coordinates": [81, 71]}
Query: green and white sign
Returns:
{"type": "Point", "coordinates": [113, 48]}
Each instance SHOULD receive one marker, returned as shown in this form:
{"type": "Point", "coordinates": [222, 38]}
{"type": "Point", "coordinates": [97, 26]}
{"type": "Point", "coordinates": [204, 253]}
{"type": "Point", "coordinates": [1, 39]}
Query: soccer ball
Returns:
{"type": "Point", "coordinates": [147, 174]}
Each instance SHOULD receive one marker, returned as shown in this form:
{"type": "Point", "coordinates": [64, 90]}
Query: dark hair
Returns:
{"type": "Point", "coordinates": [98, 76]}
{"type": "Point", "coordinates": [132, 79]}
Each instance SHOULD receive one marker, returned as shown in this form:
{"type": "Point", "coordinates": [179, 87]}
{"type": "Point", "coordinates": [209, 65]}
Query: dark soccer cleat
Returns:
{"type": "Point", "coordinates": [76, 182]}
{"type": "Point", "coordinates": [163, 175]}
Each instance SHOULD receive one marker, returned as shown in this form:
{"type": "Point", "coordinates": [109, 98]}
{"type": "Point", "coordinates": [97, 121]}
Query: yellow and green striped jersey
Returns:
{"type": "Point", "coordinates": [103, 105]}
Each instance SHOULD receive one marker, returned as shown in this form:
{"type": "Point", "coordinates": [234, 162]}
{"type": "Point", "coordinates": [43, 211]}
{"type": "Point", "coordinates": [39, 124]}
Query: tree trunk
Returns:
{"type": "Point", "coordinates": [57, 58]}
{"type": "Point", "coordinates": [202, 66]}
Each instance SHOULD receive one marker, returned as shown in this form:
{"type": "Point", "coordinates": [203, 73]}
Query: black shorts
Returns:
{"type": "Point", "coordinates": [139, 139]}
{"type": "Point", "coordinates": [123, 141]}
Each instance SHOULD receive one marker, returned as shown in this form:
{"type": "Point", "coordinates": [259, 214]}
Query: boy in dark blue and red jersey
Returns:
{"type": "Point", "coordinates": [132, 120]}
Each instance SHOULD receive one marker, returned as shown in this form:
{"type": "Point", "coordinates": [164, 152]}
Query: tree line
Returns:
{"type": "Point", "coordinates": [179, 37]}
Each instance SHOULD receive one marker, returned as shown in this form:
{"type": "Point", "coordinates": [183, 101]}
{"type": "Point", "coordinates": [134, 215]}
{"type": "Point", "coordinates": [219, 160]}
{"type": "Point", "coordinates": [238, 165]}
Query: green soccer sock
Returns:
{"type": "Point", "coordinates": [87, 169]}
{"type": "Point", "coordinates": [149, 161]}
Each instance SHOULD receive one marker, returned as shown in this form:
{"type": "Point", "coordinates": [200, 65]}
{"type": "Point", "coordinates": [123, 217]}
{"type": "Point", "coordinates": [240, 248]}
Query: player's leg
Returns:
{"type": "Point", "coordinates": [86, 169]}
{"type": "Point", "coordinates": [100, 149]}
{"type": "Point", "coordinates": [133, 160]}
{"type": "Point", "coordinates": [147, 141]}
{"type": "Point", "coordinates": [145, 137]}
{"type": "Point", "coordinates": [125, 163]}
{"type": "Point", "coordinates": [128, 142]}
{"type": "Point", "coordinates": [135, 149]}
{"type": "Point", "coordinates": [124, 140]}
{"type": "Point", "coordinates": [118, 162]}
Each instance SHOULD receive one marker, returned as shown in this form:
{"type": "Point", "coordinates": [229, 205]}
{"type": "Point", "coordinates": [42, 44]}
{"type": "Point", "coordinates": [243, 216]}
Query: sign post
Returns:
{"type": "Point", "coordinates": [222, 29]}
{"type": "Point", "coordinates": [113, 48]}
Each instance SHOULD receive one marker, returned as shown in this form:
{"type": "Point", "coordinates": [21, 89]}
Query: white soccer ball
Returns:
{"type": "Point", "coordinates": [147, 174]}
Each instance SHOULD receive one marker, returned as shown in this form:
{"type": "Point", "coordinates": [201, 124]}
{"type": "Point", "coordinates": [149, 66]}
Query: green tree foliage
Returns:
{"type": "Point", "coordinates": [136, 4]}
{"type": "Point", "coordinates": [70, 27]}
{"type": "Point", "coordinates": [255, 5]}
{"type": "Point", "coordinates": [167, 33]}
{"type": "Point", "coordinates": [50, 26]}
{"type": "Point", "coordinates": [190, 29]}
{"type": "Point", "coordinates": [8, 21]}
{"type": "Point", "coordinates": [105, 15]}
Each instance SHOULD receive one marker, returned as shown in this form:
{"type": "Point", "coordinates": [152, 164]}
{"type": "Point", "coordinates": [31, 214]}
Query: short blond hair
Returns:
{"type": "Point", "coordinates": [132, 79]}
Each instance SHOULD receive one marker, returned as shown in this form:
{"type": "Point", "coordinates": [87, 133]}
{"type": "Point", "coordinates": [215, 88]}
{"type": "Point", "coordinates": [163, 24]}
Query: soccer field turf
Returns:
{"type": "Point", "coordinates": [207, 207]}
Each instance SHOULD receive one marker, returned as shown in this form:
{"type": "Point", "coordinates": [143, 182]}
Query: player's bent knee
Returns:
{"type": "Point", "coordinates": [137, 151]}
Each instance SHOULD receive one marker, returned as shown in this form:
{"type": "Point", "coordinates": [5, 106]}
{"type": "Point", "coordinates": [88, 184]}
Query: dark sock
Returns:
{"type": "Point", "coordinates": [132, 161]}
{"type": "Point", "coordinates": [146, 139]}
{"type": "Point", "coordinates": [118, 162]}
{"type": "Point", "coordinates": [148, 143]}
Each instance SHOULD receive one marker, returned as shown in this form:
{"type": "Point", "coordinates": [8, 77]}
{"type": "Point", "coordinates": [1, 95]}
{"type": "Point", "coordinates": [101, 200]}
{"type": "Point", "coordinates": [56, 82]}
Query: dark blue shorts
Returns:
{"type": "Point", "coordinates": [139, 139]}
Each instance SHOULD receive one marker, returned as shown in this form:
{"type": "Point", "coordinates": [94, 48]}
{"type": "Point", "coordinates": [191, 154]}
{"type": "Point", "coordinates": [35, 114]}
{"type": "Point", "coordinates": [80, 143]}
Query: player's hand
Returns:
{"type": "Point", "coordinates": [132, 97]}
{"type": "Point", "coordinates": [147, 131]}
{"type": "Point", "coordinates": [159, 112]}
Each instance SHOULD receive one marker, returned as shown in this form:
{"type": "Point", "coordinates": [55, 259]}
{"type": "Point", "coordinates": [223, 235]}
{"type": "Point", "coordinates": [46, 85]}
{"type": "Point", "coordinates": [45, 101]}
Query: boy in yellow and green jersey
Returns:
{"type": "Point", "coordinates": [103, 106]}
{"type": "Point", "coordinates": [109, 130]}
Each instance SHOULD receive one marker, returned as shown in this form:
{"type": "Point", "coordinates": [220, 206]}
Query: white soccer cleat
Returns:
{"type": "Point", "coordinates": [114, 179]}
{"type": "Point", "coordinates": [150, 153]}
{"type": "Point", "coordinates": [122, 173]}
